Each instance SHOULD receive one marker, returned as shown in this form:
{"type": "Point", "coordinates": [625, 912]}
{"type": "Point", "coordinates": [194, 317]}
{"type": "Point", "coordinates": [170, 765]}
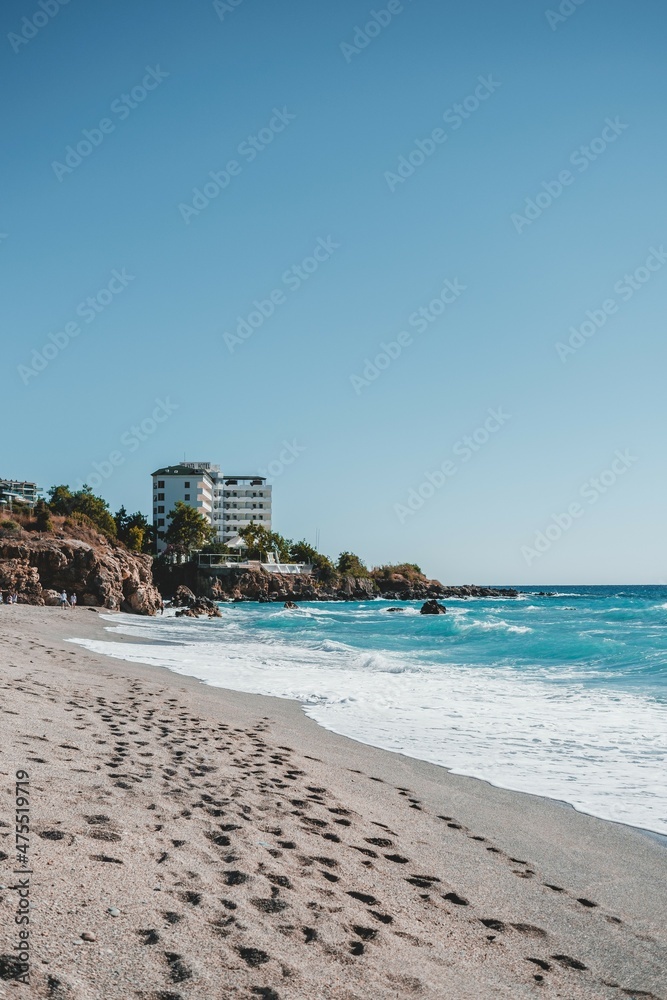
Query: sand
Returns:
{"type": "Point", "coordinates": [248, 853]}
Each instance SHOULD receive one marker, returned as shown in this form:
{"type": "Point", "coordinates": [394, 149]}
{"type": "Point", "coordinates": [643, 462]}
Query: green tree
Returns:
{"type": "Point", "coordinates": [302, 552]}
{"type": "Point", "coordinates": [135, 538]}
{"type": "Point", "coordinates": [324, 569]}
{"type": "Point", "coordinates": [188, 529]}
{"type": "Point", "coordinates": [43, 520]}
{"type": "Point", "coordinates": [61, 500]}
{"type": "Point", "coordinates": [260, 541]}
{"type": "Point", "coordinates": [351, 565]}
{"type": "Point", "coordinates": [121, 518]}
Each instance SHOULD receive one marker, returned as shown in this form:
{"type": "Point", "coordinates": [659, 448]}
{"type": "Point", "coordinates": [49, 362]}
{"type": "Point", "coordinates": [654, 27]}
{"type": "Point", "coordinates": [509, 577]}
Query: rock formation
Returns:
{"type": "Point", "coordinates": [432, 608]}
{"type": "Point", "coordinates": [198, 606]}
{"type": "Point", "coordinates": [258, 585]}
{"type": "Point", "coordinates": [77, 558]}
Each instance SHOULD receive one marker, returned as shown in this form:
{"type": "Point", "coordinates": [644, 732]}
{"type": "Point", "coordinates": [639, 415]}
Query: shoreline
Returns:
{"type": "Point", "coordinates": [661, 838]}
{"type": "Point", "coordinates": [500, 852]}
{"type": "Point", "coordinates": [604, 800]}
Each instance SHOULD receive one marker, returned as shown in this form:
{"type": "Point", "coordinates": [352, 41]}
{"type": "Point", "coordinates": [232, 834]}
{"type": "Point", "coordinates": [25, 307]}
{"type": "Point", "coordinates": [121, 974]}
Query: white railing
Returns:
{"type": "Point", "coordinates": [221, 560]}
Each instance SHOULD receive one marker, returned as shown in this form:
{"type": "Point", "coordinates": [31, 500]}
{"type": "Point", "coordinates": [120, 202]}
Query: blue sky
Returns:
{"type": "Point", "coordinates": [336, 122]}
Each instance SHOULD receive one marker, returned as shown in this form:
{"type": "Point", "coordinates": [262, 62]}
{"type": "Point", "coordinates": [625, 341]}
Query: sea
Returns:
{"type": "Point", "coordinates": [563, 694]}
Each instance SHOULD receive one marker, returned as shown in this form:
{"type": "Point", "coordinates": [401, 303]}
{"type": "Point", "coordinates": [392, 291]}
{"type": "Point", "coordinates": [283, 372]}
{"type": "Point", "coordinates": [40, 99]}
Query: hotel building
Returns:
{"type": "Point", "coordinates": [14, 489]}
{"type": "Point", "coordinates": [229, 503]}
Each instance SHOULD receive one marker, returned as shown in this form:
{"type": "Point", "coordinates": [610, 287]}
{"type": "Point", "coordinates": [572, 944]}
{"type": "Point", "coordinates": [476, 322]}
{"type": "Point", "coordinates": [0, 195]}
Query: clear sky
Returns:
{"type": "Point", "coordinates": [403, 147]}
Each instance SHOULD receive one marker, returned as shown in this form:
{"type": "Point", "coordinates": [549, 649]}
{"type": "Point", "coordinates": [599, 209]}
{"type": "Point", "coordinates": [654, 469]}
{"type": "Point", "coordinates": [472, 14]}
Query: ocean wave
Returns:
{"type": "Point", "coordinates": [575, 710]}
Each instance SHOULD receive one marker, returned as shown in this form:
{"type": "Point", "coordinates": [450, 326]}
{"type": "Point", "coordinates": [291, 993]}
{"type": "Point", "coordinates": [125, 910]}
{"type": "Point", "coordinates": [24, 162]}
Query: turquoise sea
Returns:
{"type": "Point", "coordinates": [562, 695]}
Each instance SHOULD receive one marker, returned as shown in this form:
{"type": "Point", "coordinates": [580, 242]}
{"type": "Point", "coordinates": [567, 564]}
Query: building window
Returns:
{"type": "Point", "coordinates": [160, 522]}
{"type": "Point", "coordinates": [160, 510]}
{"type": "Point", "coordinates": [160, 484]}
{"type": "Point", "coordinates": [160, 496]}
{"type": "Point", "coordinates": [187, 496]}
{"type": "Point", "coordinates": [186, 486]}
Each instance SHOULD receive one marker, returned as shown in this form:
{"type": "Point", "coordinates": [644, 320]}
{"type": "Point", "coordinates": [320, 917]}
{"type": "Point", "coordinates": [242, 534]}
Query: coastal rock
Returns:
{"type": "Point", "coordinates": [183, 597]}
{"type": "Point", "coordinates": [254, 584]}
{"type": "Point", "coordinates": [432, 608]}
{"type": "Point", "coordinates": [80, 560]}
{"type": "Point", "coordinates": [290, 606]}
{"type": "Point", "coordinates": [199, 606]}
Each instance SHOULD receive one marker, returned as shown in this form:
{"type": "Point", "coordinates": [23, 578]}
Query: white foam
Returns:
{"type": "Point", "coordinates": [602, 751]}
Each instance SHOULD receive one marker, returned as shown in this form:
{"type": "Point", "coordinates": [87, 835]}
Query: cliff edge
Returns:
{"type": "Point", "coordinates": [79, 559]}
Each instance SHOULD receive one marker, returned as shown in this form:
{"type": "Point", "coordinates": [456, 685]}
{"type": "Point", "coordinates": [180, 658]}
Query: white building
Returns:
{"type": "Point", "coordinates": [229, 503]}
{"type": "Point", "coordinates": [240, 500]}
{"type": "Point", "coordinates": [16, 489]}
{"type": "Point", "coordinates": [188, 483]}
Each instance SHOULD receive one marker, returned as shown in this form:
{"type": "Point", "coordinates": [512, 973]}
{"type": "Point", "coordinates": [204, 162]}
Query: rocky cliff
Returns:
{"type": "Point", "coordinates": [76, 558]}
{"type": "Point", "coordinates": [256, 585]}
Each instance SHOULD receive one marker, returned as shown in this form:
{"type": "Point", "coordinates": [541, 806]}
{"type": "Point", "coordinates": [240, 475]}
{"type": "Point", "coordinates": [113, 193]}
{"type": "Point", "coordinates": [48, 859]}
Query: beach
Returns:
{"type": "Point", "coordinates": [245, 851]}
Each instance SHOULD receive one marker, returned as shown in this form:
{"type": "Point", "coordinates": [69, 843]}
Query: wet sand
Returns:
{"type": "Point", "coordinates": [246, 852]}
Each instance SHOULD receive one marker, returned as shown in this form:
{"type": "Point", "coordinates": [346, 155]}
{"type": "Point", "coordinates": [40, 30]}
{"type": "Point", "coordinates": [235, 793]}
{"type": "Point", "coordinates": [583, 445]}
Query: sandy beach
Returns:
{"type": "Point", "coordinates": [243, 851]}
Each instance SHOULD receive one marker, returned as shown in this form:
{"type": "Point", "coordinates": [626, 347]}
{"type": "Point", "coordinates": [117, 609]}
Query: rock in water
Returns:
{"type": "Point", "coordinates": [198, 606]}
{"type": "Point", "coordinates": [432, 608]}
{"type": "Point", "coordinates": [183, 598]}
{"type": "Point", "coordinates": [290, 606]}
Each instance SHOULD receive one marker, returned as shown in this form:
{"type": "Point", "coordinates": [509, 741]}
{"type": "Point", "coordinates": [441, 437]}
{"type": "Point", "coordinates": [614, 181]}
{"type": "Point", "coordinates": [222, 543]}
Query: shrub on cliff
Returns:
{"type": "Point", "coordinates": [408, 571]}
{"type": "Point", "coordinates": [325, 571]}
{"type": "Point", "coordinates": [9, 528]}
{"type": "Point", "coordinates": [351, 565]}
{"type": "Point", "coordinates": [261, 541]}
{"type": "Point", "coordinates": [216, 549]}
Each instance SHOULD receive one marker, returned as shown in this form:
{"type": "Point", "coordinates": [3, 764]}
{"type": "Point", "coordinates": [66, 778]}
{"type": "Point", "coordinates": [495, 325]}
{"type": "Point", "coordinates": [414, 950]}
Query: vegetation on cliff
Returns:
{"type": "Point", "coordinates": [133, 530]}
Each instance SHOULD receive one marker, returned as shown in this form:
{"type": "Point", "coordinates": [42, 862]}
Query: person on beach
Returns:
{"type": "Point", "coordinates": [63, 600]}
{"type": "Point", "coordinates": [72, 600]}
